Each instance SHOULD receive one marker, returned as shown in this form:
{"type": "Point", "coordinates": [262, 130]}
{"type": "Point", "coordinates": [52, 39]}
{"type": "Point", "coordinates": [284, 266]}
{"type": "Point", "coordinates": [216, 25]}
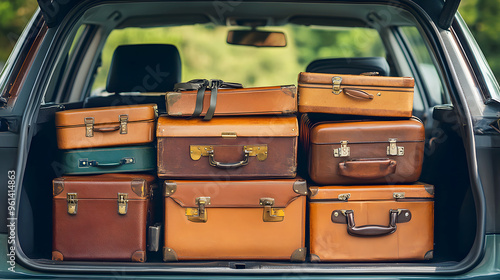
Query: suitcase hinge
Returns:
{"type": "Point", "coordinates": [72, 200]}
{"type": "Point", "coordinates": [122, 203]}
{"type": "Point", "coordinates": [123, 124]}
{"type": "Point", "coordinates": [398, 195]}
{"type": "Point", "coordinates": [198, 215]}
{"type": "Point", "coordinates": [271, 214]}
{"type": "Point", "coordinates": [393, 149]}
{"type": "Point", "coordinates": [336, 81]}
{"type": "Point", "coordinates": [343, 151]}
{"type": "Point", "coordinates": [89, 127]}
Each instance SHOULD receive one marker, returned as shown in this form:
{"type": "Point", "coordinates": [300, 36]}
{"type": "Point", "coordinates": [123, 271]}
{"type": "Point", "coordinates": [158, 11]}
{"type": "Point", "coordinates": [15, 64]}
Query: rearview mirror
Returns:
{"type": "Point", "coordinates": [256, 38]}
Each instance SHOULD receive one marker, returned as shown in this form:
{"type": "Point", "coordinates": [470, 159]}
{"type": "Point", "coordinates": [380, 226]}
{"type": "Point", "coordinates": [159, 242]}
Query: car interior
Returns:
{"type": "Point", "coordinates": [99, 65]}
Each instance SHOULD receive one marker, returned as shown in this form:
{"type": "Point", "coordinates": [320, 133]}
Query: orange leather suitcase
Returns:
{"type": "Point", "coordinates": [355, 95]}
{"type": "Point", "coordinates": [235, 220]}
{"type": "Point", "coordinates": [106, 126]}
{"type": "Point", "coordinates": [275, 100]}
{"type": "Point", "coordinates": [371, 223]}
{"type": "Point", "coordinates": [227, 147]}
{"type": "Point", "coordinates": [364, 152]}
{"type": "Point", "coordinates": [102, 217]}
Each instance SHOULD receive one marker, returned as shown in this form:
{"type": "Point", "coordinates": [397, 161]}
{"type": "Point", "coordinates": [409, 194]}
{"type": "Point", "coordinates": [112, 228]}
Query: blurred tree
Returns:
{"type": "Point", "coordinates": [482, 18]}
{"type": "Point", "coordinates": [14, 14]}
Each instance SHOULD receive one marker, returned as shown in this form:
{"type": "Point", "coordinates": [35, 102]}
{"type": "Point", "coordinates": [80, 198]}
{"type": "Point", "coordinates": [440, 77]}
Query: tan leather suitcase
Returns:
{"type": "Point", "coordinates": [227, 147]}
{"type": "Point", "coordinates": [102, 217]}
{"type": "Point", "coordinates": [235, 220]}
{"type": "Point", "coordinates": [365, 152]}
{"type": "Point", "coordinates": [355, 95]}
{"type": "Point", "coordinates": [106, 126]}
{"type": "Point", "coordinates": [371, 223]}
{"type": "Point", "coordinates": [239, 101]}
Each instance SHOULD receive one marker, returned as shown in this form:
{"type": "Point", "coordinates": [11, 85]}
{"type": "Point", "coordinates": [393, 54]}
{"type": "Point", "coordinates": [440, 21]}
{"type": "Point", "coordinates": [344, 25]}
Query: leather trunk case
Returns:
{"type": "Point", "coordinates": [227, 147]}
{"type": "Point", "coordinates": [106, 126]}
{"type": "Point", "coordinates": [235, 220]}
{"type": "Point", "coordinates": [241, 101]}
{"type": "Point", "coordinates": [109, 160]}
{"type": "Point", "coordinates": [366, 152]}
{"type": "Point", "coordinates": [102, 217]}
{"type": "Point", "coordinates": [371, 223]}
{"type": "Point", "coordinates": [355, 95]}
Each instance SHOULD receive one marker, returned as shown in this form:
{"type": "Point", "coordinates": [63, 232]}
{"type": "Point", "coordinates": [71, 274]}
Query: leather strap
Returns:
{"type": "Point", "coordinates": [367, 168]}
{"type": "Point", "coordinates": [215, 84]}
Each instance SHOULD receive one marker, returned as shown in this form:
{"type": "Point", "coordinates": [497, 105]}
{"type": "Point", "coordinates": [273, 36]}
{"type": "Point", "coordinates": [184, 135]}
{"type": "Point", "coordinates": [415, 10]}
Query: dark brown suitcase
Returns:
{"type": "Point", "coordinates": [275, 100]}
{"type": "Point", "coordinates": [227, 147]}
{"type": "Point", "coordinates": [235, 220]}
{"type": "Point", "coordinates": [355, 95]}
{"type": "Point", "coordinates": [371, 223]}
{"type": "Point", "coordinates": [365, 152]}
{"type": "Point", "coordinates": [102, 217]}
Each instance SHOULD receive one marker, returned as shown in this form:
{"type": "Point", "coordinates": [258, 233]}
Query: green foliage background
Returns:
{"type": "Point", "coordinates": [480, 15]}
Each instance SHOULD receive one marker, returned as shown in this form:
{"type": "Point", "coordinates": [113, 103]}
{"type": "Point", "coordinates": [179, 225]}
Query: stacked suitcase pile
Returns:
{"type": "Point", "coordinates": [366, 205]}
{"type": "Point", "coordinates": [104, 217]}
{"type": "Point", "coordinates": [227, 160]}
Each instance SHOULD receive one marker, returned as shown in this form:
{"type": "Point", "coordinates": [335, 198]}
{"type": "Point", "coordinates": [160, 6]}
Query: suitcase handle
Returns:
{"type": "Point", "coordinates": [359, 94]}
{"type": "Point", "coordinates": [110, 164]}
{"type": "Point", "coordinates": [213, 162]}
{"type": "Point", "coordinates": [371, 230]}
{"type": "Point", "coordinates": [367, 168]}
{"type": "Point", "coordinates": [106, 129]}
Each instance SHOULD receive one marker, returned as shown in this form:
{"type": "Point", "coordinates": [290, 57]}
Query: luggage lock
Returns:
{"type": "Point", "coordinates": [89, 127]}
{"type": "Point", "coordinates": [336, 85]}
{"type": "Point", "coordinates": [393, 149]}
{"type": "Point", "coordinates": [72, 200]}
{"type": "Point", "coordinates": [198, 215]}
{"type": "Point", "coordinates": [271, 214]}
{"type": "Point", "coordinates": [123, 124]}
{"type": "Point", "coordinates": [122, 203]}
{"type": "Point", "coordinates": [343, 151]}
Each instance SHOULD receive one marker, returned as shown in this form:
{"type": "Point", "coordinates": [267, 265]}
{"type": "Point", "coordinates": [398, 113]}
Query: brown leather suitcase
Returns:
{"type": "Point", "coordinates": [365, 152]}
{"type": "Point", "coordinates": [243, 220]}
{"type": "Point", "coordinates": [227, 147]}
{"type": "Point", "coordinates": [106, 126]}
{"type": "Point", "coordinates": [355, 95]}
{"type": "Point", "coordinates": [102, 217]}
{"type": "Point", "coordinates": [239, 101]}
{"type": "Point", "coordinates": [371, 223]}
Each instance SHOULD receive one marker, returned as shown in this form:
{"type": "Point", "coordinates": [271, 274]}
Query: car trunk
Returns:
{"type": "Point", "coordinates": [445, 167]}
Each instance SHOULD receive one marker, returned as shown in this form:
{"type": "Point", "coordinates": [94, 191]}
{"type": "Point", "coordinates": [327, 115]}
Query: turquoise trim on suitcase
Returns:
{"type": "Point", "coordinates": [109, 160]}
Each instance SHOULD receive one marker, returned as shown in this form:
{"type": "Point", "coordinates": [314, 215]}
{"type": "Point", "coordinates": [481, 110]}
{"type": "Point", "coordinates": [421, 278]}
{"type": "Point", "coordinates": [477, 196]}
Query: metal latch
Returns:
{"type": "Point", "coordinates": [343, 151]}
{"type": "Point", "coordinates": [72, 203]}
{"type": "Point", "coordinates": [198, 215]}
{"type": "Point", "coordinates": [336, 85]}
{"type": "Point", "coordinates": [122, 203]}
{"type": "Point", "coordinates": [89, 127]}
{"type": "Point", "coordinates": [123, 124]}
{"type": "Point", "coordinates": [271, 214]}
{"type": "Point", "coordinates": [393, 149]}
{"type": "Point", "coordinates": [398, 195]}
{"type": "Point", "coordinates": [344, 196]}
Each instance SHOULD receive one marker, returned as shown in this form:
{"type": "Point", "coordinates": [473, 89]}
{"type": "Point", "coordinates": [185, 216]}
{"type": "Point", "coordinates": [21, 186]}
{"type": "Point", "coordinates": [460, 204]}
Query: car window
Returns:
{"type": "Point", "coordinates": [205, 53]}
{"type": "Point", "coordinates": [426, 67]}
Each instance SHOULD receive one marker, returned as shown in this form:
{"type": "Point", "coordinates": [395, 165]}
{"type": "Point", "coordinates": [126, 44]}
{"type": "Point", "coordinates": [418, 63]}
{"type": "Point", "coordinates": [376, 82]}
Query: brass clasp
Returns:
{"type": "Point", "coordinates": [393, 149]}
{"type": "Point", "coordinates": [271, 214]}
{"type": "Point", "coordinates": [122, 203]}
{"type": "Point", "coordinates": [123, 124]}
{"type": "Point", "coordinates": [343, 151]}
{"type": "Point", "coordinates": [198, 215]}
{"type": "Point", "coordinates": [89, 126]}
{"type": "Point", "coordinates": [72, 200]}
{"type": "Point", "coordinates": [336, 81]}
{"type": "Point", "coordinates": [344, 196]}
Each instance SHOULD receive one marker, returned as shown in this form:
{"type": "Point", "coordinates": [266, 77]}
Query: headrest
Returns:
{"type": "Point", "coordinates": [144, 68]}
{"type": "Point", "coordinates": [351, 65]}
